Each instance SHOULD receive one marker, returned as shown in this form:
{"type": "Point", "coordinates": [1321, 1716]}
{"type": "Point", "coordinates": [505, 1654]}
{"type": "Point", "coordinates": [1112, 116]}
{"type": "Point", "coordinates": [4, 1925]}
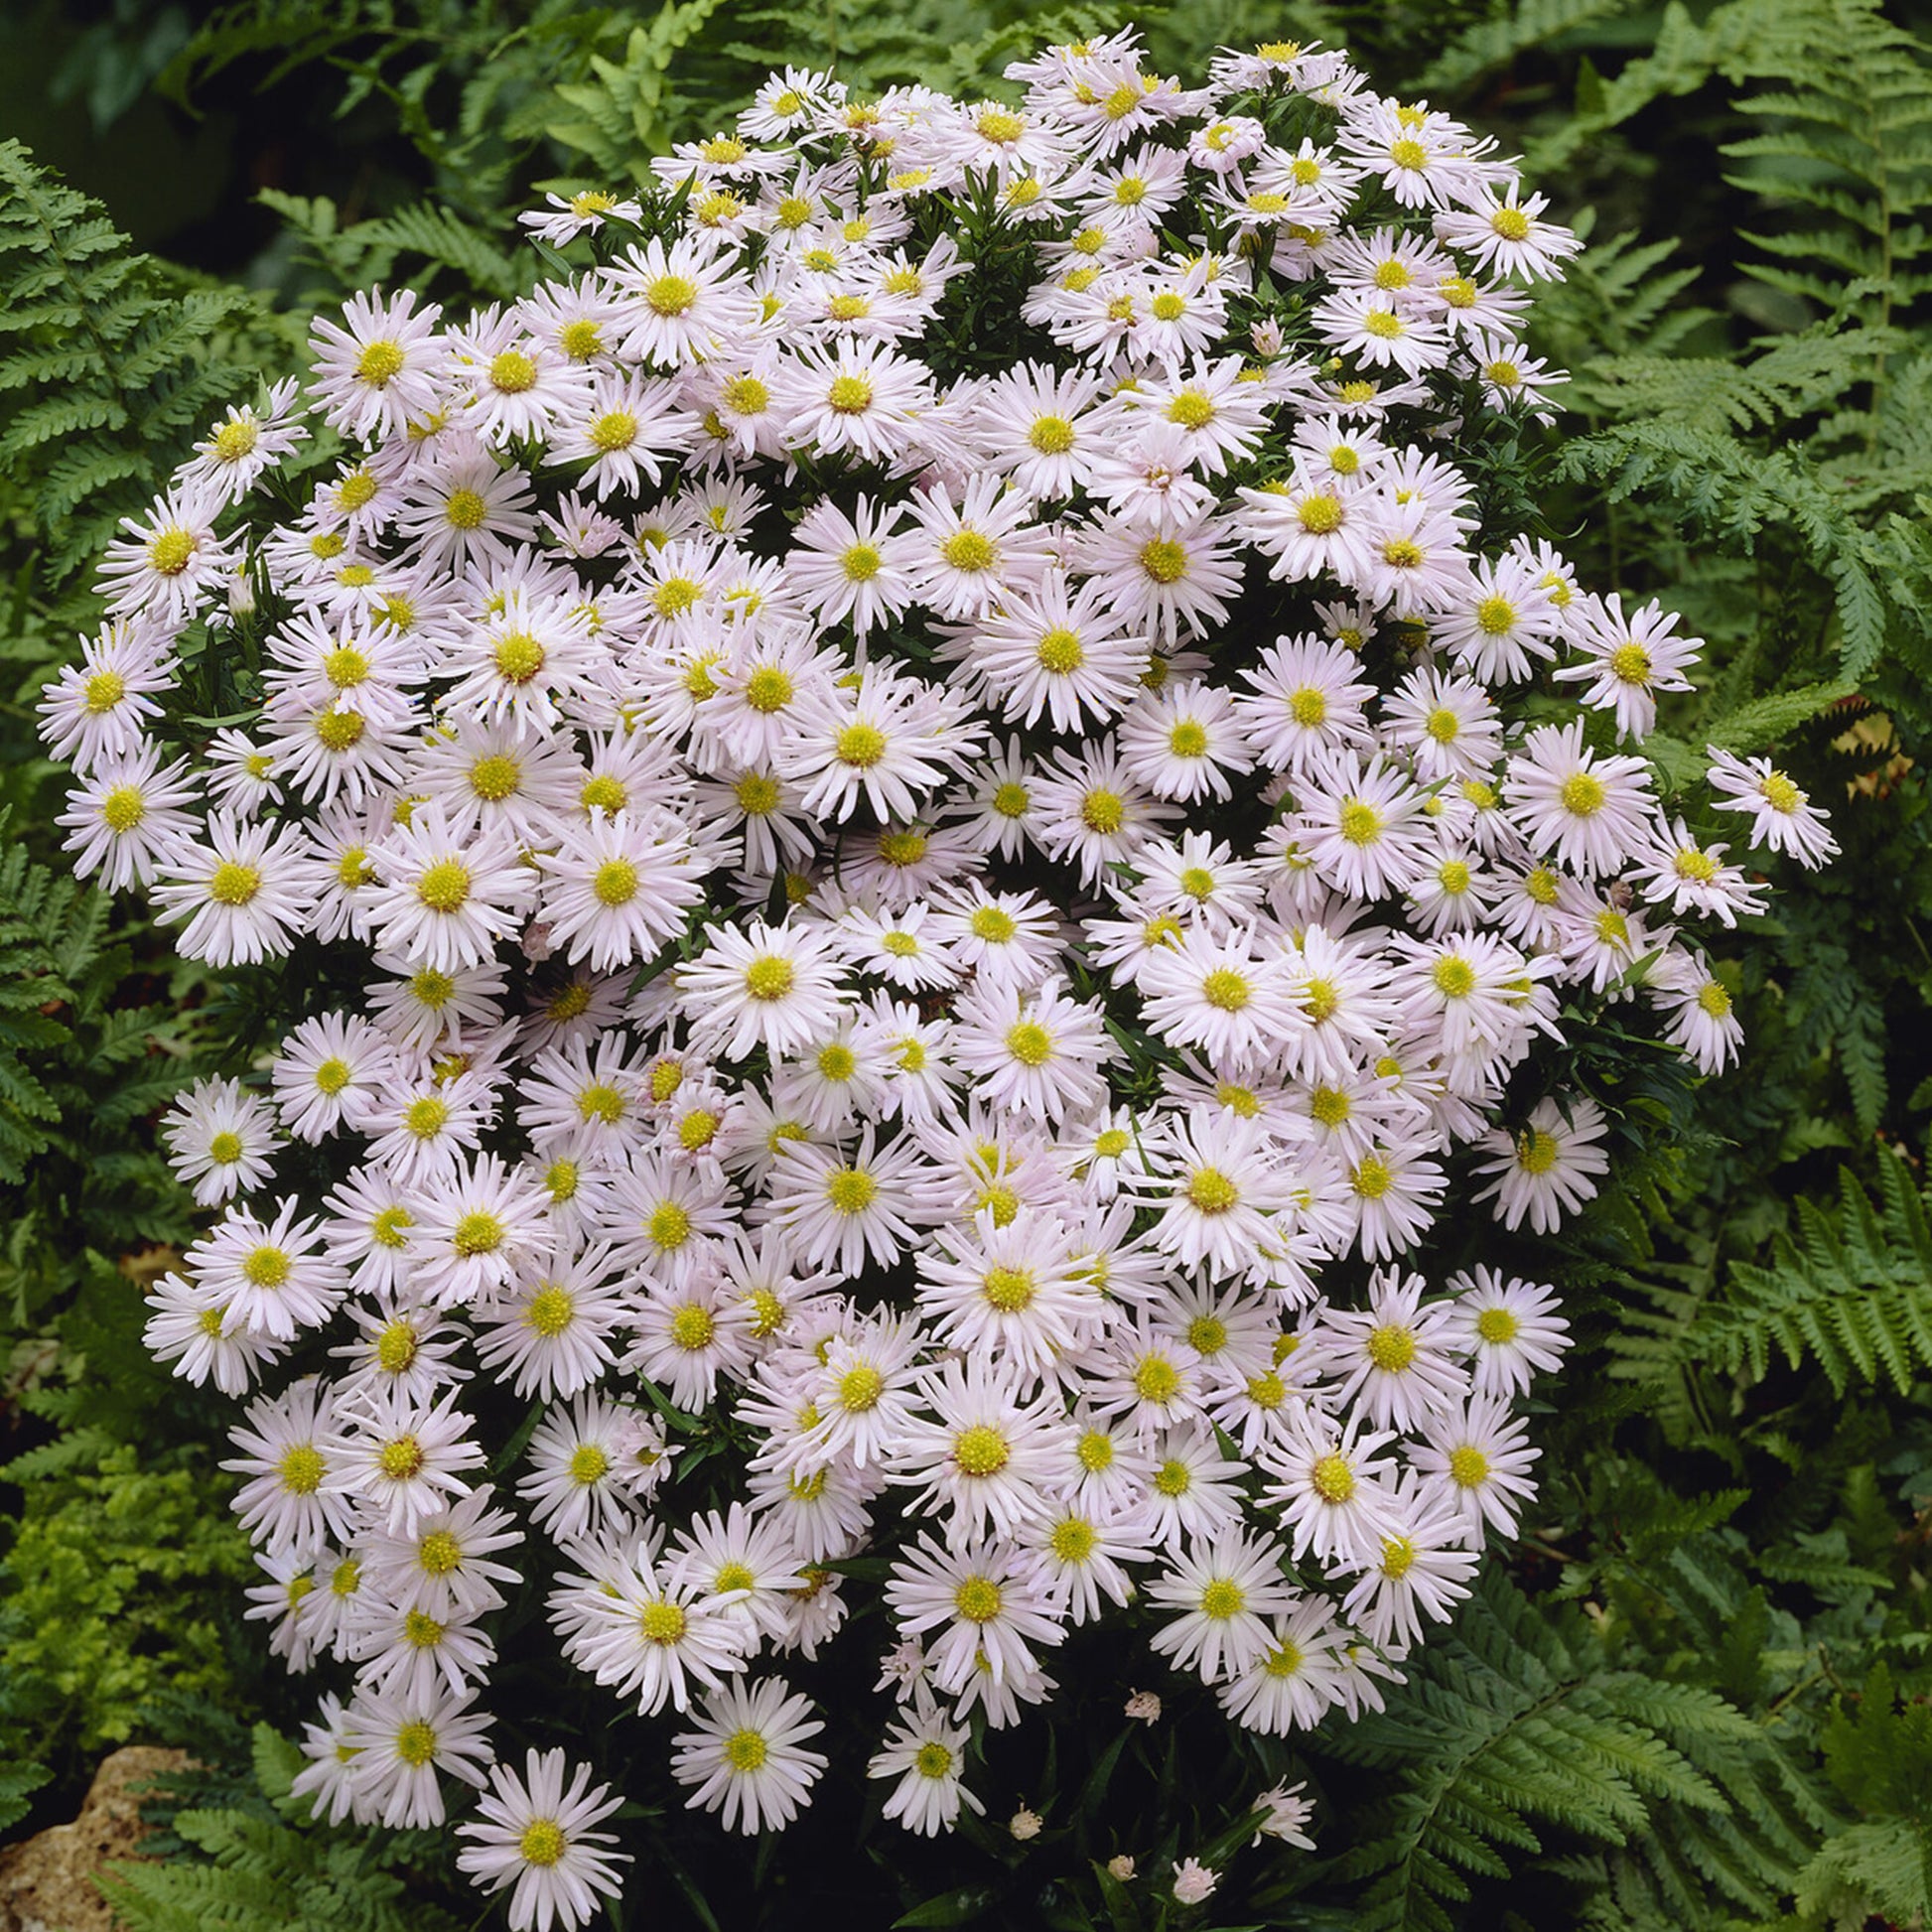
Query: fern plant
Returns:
{"type": "Point", "coordinates": [1851, 1295]}
{"type": "Point", "coordinates": [109, 363]}
{"type": "Point", "coordinates": [1517, 1728]}
{"type": "Point", "coordinates": [433, 242]}
{"type": "Point", "coordinates": [82, 1067]}
{"type": "Point", "coordinates": [261, 1863]}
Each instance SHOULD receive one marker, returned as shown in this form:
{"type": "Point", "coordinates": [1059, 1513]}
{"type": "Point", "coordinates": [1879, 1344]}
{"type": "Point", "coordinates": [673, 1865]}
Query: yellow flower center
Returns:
{"type": "Point", "coordinates": [1331, 1478]}
{"type": "Point", "coordinates": [1155, 1379]}
{"type": "Point", "coordinates": [602, 1102]}
{"type": "Point", "coordinates": [1498, 1325]}
{"type": "Point", "coordinates": [170, 552]}
{"type": "Point", "coordinates": [859, 1389]}
{"type": "Point", "coordinates": [542, 1843]}
{"type": "Point", "coordinates": [1072, 1540]}
{"type": "Point", "coordinates": [981, 1451]}
{"type": "Point", "coordinates": [1164, 560]}
{"type": "Point", "coordinates": [1392, 1348]}
{"type": "Point", "coordinates": [851, 1190]}
{"type": "Point", "coordinates": [1210, 1191]}
{"type": "Point", "coordinates": [671, 295]}
{"type": "Point", "coordinates": [1361, 822]}
{"type": "Point", "coordinates": [615, 430]}
{"type": "Point", "coordinates": [416, 1744]}
{"type": "Point", "coordinates": [512, 373]}
{"type": "Point", "coordinates": [1226, 990]}
{"type": "Point", "coordinates": [615, 883]}
{"type": "Point", "coordinates": [1103, 812]}
{"type": "Point", "coordinates": [465, 509]}
{"type": "Point", "coordinates": [1029, 1044]}
{"type": "Point", "coordinates": [444, 886]}
{"type": "Point", "coordinates": [1223, 1598]}
{"type": "Point", "coordinates": [977, 1599]}
{"type": "Point", "coordinates": [1631, 663]}
{"type": "Point", "coordinates": [478, 1233]}
{"type": "Point", "coordinates": [389, 1229]}
{"type": "Point", "coordinates": [232, 883]}
{"type": "Point", "coordinates": [1008, 1289]}
{"type": "Point", "coordinates": [103, 691]}
{"type": "Point", "coordinates": [693, 1327]}
{"type": "Point", "coordinates": [669, 1226]}
{"type": "Point", "coordinates": [660, 1624]}
{"type": "Point", "coordinates": [1267, 1390]}
{"type": "Point", "coordinates": [1372, 1180]}
{"type": "Point", "coordinates": [1583, 794]}
{"type": "Point", "coordinates": [380, 363]}
{"type": "Point", "coordinates": [860, 746]}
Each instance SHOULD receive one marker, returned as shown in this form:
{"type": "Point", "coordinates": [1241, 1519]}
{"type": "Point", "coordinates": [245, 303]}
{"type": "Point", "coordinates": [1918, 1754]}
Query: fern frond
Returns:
{"type": "Point", "coordinates": [18, 1780]}
{"type": "Point", "coordinates": [1849, 136]}
{"type": "Point", "coordinates": [446, 241]}
{"type": "Point", "coordinates": [623, 113]}
{"type": "Point", "coordinates": [1790, 379]}
{"type": "Point", "coordinates": [1852, 1292]}
{"type": "Point", "coordinates": [256, 1871]}
{"type": "Point", "coordinates": [1732, 40]}
{"type": "Point", "coordinates": [1733, 491]}
{"type": "Point", "coordinates": [131, 358]}
{"type": "Point", "coordinates": [1515, 1728]}
{"type": "Point", "coordinates": [1531, 26]}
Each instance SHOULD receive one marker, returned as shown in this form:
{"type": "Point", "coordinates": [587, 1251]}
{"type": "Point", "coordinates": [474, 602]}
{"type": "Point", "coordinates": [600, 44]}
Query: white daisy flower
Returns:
{"type": "Point", "coordinates": [927, 1755]}
{"type": "Point", "coordinates": [539, 1838]}
{"type": "Point", "coordinates": [398, 1744]}
{"type": "Point", "coordinates": [1783, 818]}
{"type": "Point", "coordinates": [378, 373]}
{"type": "Point", "coordinates": [746, 1757]}
{"type": "Point", "coordinates": [222, 1139]}
{"type": "Point", "coordinates": [1548, 1168]}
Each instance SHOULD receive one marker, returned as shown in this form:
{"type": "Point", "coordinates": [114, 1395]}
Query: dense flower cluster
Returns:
{"type": "Point", "coordinates": [939, 893]}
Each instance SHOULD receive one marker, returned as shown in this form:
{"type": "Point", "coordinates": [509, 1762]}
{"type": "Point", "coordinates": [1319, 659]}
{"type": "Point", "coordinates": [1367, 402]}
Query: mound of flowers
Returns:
{"type": "Point", "coordinates": [915, 842]}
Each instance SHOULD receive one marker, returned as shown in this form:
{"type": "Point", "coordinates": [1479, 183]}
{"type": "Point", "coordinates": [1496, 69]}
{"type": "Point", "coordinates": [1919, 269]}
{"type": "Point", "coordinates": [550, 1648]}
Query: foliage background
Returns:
{"type": "Point", "coordinates": [1695, 1693]}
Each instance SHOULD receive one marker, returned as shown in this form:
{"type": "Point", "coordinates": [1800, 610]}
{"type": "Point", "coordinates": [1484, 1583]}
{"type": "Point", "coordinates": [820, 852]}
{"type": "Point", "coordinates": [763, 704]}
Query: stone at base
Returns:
{"type": "Point", "coordinates": [47, 1883]}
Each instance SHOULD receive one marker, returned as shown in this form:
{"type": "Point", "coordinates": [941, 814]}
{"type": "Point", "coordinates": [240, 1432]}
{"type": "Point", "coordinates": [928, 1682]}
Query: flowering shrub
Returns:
{"type": "Point", "coordinates": [915, 840]}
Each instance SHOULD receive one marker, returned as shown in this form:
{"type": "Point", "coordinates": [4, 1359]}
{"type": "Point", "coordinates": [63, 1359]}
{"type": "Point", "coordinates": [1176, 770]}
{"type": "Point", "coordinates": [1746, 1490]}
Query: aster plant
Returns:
{"type": "Point", "coordinates": [930, 847]}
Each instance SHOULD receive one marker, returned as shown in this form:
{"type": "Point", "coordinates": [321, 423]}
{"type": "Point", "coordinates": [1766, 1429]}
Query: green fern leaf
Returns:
{"type": "Point", "coordinates": [1853, 1293]}
{"type": "Point", "coordinates": [18, 1780]}
{"type": "Point", "coordinates": [136, 372]}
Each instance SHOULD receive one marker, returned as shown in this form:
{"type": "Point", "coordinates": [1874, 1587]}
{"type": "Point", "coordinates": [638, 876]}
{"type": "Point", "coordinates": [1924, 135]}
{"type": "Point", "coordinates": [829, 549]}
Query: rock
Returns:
{"type": "Point", "coordinates": [47, 1883]}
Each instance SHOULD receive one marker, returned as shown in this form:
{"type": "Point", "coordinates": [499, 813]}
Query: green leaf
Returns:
{"type": "Point", "coordinates": [1765, 720]}
{"type": "Point", "coordinates": [960, 1907]}
{"type": "Point", "coordinates": [20, 1778]}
